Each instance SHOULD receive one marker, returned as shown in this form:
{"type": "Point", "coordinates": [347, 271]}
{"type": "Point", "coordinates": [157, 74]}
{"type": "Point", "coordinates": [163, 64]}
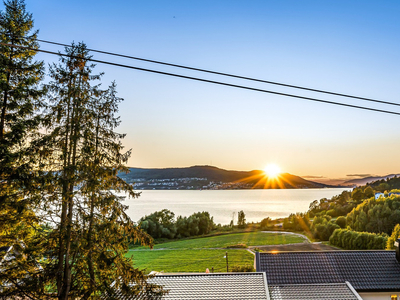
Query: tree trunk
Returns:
{"type": "Point", "coordinates": [91, 218]}
{"type": "Point", "coordinates": [64, 195]}
{"type": "Point", "coordinates": [4, 108]}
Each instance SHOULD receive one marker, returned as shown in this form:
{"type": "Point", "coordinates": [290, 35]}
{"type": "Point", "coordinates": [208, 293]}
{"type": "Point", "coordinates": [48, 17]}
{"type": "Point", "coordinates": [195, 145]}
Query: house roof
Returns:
{"type": "Point", "coordinates": [216, 286]}
{"type": "Point", "coordinates": [365, 270]}
{"type": "Point", "coordinates": [327, 291]}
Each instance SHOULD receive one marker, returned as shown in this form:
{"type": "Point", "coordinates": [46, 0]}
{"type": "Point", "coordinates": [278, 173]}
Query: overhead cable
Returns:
{"type": "Point", "coordinates": [230, 75]}
{"type": "Point", "coordinates": [211, 81]}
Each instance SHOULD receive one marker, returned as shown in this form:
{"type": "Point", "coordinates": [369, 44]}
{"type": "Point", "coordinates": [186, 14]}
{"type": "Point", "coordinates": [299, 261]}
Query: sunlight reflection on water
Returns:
{"type": "Point", "coordinates": [221, 204]}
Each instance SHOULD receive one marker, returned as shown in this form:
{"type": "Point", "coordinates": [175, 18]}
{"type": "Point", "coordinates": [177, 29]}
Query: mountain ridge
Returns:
{"type": "Point", "coordinates": [369, 179]}
{"type": "Point", "coordinates": [211, 177]}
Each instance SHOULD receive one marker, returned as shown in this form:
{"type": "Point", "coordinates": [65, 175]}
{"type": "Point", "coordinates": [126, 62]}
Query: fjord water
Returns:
{"type": "Point", "coordinates": [222, 204]}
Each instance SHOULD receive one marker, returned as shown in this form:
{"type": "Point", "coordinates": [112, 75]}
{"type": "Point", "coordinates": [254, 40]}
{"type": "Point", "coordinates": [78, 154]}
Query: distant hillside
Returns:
{"type": "Point", "coordinates": [209, 177]}
{"type": "Point", "coordinates": [365, 180]}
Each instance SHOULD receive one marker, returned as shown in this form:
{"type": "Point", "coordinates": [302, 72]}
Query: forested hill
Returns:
{"type": "Point", "coordinates": [209, 177]}
{"type": "Point", "coordinates": [365, 180]}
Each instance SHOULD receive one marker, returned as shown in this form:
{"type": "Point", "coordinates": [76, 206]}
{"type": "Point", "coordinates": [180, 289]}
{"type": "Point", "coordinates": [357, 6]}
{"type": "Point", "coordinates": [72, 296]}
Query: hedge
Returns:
{"type": "Point", "coordinates": [355, 240]}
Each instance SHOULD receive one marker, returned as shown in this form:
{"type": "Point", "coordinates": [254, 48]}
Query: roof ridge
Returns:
{"type": "Point", "coordinates": [309, 284]}
{"type": "Point", "coordinates": [210, 274]}
{"type": "Point", "coordinates": [328, 251]}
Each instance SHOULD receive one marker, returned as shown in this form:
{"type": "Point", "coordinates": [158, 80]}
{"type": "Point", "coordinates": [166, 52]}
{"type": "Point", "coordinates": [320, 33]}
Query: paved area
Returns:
{"type": "Point", "coordinates": [307, 245]}
{"type": "Point", "coordinates": [297, 247]}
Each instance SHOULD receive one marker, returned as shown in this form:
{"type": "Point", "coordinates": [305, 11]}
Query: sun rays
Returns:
{"type": "Point", "coordinates": [269, 178]}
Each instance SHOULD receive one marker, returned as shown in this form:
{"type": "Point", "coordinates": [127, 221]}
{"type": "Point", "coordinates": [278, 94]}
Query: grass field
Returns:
{"type": "Point", "coordinates": [256, 238]}
{"type": "Point", "coordinates": [190, 260]}
{"type": "Point", "coordinates": [195, 255]}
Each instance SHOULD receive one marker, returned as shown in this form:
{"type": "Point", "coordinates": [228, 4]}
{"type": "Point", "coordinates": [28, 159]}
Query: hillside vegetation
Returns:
{"type": "Point", "coordinates": [354, 220]}
{"type": "Point", "coordinates": [375, 215]}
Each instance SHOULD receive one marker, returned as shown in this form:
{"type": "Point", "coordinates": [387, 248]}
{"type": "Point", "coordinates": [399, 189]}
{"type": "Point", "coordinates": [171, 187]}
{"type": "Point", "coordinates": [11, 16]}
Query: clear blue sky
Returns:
{"type": "Point", "coordinates": [344, 46]}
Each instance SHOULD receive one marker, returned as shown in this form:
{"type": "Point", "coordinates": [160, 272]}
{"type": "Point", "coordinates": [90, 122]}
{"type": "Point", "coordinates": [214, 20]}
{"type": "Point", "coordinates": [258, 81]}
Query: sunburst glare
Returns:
{"type": "Point", "coordinates": [272, 170]}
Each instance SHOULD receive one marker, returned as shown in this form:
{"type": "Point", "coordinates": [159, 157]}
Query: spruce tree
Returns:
{"type": "Point", "coordinates": [91, 231]}
{"type": "Point", "coordinates": [20, 101]}
{"type": "Point", "coordinates": [19, 104]}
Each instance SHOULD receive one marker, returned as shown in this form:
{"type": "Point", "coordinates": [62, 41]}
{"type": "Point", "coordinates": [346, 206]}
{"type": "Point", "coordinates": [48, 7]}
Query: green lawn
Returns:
{"type": "Point", "coordinates": [256, 238]}
{"type": "Point", "coordinates": [189, 260]}
{"type": "Point", "coordinates": [195, 255]}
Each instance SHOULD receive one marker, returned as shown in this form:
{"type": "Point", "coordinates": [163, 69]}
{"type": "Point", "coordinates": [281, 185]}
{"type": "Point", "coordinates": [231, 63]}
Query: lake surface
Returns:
{"type": "Point", "coordinates": [222, 204]}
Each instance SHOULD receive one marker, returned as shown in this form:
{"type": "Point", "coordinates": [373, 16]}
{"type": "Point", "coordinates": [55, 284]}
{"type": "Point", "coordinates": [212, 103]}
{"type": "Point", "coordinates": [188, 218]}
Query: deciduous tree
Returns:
{"type": "Point", "coordinates": [393, 237]}
{"type": "Point", "coordinates": [241, 219]}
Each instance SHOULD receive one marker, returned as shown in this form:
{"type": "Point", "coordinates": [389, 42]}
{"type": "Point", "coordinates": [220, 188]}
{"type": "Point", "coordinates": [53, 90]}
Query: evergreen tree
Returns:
{"type": "Point", "coordinates": [91, 231]}
{"type": "Point", "coordinates": [20, 101]}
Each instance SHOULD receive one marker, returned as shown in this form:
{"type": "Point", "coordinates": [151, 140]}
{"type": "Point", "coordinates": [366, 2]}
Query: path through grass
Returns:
{"type": "Point", "coordinates": [195, 255]}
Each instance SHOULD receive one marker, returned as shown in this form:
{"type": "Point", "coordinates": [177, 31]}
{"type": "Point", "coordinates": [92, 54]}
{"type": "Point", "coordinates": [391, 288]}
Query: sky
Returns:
{"type": "Point", "coordinates": [349, 47]}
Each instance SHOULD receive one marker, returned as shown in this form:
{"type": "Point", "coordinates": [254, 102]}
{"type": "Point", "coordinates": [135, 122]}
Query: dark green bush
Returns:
{"type": "Point", "coordinates": [322, 227]}
{"type": "Point", "coordinates": [354, 240]}
{"type": "Point", "coordinates": [237, 246]}
{"type": "Point", "coordinates": [265, 223]}
{"type": "Point", "coordinates": [341, 222]}
{"type": "Point", "coordinates": [298, 221]}
{"type": "Point", "coordinates": [331, 212]}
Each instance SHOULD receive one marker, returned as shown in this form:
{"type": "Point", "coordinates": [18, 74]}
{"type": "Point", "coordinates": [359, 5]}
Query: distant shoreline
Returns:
{"type": "Point", "coordinates": [236, 189]}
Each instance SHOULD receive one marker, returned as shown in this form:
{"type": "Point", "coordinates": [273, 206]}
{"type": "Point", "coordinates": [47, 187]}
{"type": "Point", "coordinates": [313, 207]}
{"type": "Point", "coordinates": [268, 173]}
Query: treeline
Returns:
{"type": "Point", "coordinates": [375, 215]}
{"type": "Point", "coordinates": [162, 224]}
{"type": "Point", "coordinates": [386, 185]}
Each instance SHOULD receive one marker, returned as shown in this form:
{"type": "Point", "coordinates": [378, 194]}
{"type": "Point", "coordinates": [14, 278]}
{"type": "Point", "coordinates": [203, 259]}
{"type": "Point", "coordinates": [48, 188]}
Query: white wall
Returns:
{"type": "Point", "coordinates": [379, 296]}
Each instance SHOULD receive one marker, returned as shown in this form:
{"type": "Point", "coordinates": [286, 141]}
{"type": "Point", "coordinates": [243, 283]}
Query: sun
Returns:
{"type": "Point", "coordinates": [272, 170]}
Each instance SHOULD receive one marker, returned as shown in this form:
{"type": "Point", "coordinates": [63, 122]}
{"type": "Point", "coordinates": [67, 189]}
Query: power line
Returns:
{"type": "Point", "coordinates": [229, 75]}
{"type": "Point", "coordinates": [212, 81]}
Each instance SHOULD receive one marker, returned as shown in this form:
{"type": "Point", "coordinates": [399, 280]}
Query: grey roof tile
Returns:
{"type": "Point", "coordinates": [217, 286]}
{"type": "Point", "coordinates": [365, 270]}
{"type": "Point", "coordinates": [327, 291]}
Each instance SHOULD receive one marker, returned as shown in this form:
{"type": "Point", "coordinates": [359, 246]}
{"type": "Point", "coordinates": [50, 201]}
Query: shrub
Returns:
{"type": "Point", "coordinates": [237, 246]}
{"type": "Point", "coordinates": [323, 227]}
{"type": "Point", "coordinates": [331, 213]}
{"type": "Point", "coordinates": [264, 223]}
{"type": "Point", "coordinates": [341, 222]}
{"type": "Point", "coordinates": [245, 268]}
{"type": "Point", "coordinates": [298, 221]}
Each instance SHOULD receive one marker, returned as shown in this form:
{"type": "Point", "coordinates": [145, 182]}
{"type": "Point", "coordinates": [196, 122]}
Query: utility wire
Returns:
{"type": "Point", "coordinates": [229, 75]}
{"type": "Point", "coordinates": [210, 81]}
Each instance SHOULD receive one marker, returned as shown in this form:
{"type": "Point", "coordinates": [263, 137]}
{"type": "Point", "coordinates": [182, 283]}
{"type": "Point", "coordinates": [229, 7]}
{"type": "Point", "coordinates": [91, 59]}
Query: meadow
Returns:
{"type": "Point", "coordinates": [195, 255]}
{"type": "Point", "coordinates": [190, 260]}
